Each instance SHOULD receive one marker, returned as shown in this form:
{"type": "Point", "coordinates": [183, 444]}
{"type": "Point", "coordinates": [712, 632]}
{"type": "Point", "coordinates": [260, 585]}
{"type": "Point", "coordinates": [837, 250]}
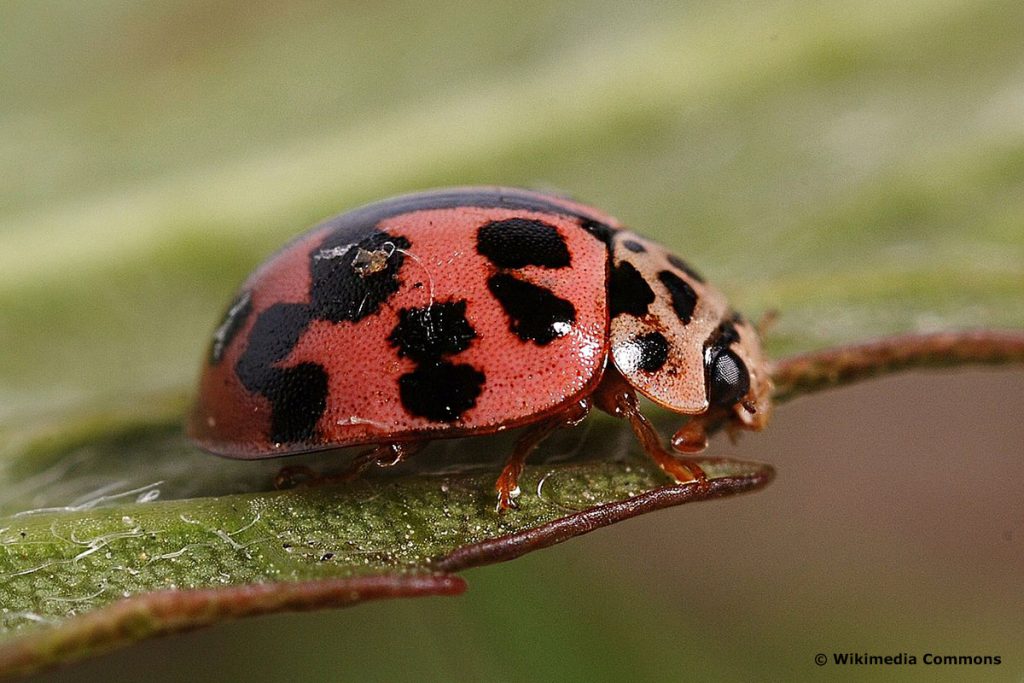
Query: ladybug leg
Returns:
{"type": "Point", "coordinates": [618, 399]}
{"type": "Point", "coordinates": [507, 484]}
{"type": "Point", "coordinates": [383, 455]}
{"type": "Point", "coordinates": [291, 476]}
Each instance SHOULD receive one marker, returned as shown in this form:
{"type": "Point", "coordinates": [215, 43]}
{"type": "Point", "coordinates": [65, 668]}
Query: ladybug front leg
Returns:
{"type": "Point", "coordinates": [507, 485]}
{"type": "Point", "coordinates": [618, 399]}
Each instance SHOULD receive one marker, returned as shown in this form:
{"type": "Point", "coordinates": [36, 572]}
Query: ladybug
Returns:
{"type": "Point", "coordinates": [469, 311]}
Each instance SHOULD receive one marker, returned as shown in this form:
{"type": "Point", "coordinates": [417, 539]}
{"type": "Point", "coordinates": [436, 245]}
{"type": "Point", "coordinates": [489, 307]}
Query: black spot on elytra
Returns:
{"type": "Point", "coordinates": [684, 267]}
{"type": "Point", "coordinates": [429, 332]}
{"type": "Point", "coordinates": [684, 299]}
{"type": "Point", "coordinates": [535, 313]}
{"type": "Point", "coordinates": [234, 319]}
{"type": "Point", "coordinates": [299, 397]}
{"type": "Point", "coordinates": [601, 231]}
{"type": "Point", "coordinates": [440, 391]}
{"type": "Point", "coordinates": [520, 242]}
{"type": "Point", "coordinates": [628, 291]}
{"type": "Point", "coordinates": [634, 246]}
{"type": "Point", "coordinates": [436, 389]}
{"type": "Point", "coordinates": [340, 290]}
{"type": "Point", "coordinates": [271, 339]}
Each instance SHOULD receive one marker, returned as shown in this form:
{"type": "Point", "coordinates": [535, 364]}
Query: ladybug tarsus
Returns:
{"type": "Point", "coordinates": [692, 437]}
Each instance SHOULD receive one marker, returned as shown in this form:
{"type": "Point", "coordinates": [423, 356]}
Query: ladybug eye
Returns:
{"type": "Point", "coordinates": [728, 379]}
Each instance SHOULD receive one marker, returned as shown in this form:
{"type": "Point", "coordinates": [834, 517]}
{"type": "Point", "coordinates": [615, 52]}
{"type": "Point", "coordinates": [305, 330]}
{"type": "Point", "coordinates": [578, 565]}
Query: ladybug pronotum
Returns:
{"type": "Point", "coordinates": [469, 311]}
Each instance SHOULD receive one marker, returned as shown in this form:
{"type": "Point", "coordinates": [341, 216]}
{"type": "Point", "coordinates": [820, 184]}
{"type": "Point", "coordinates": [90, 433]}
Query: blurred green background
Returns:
{"type": "Point", "coordinates": [858, 165]}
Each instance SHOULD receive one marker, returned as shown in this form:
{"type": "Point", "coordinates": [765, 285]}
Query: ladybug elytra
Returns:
{"type": "Point", "coordinates": [469, 311]}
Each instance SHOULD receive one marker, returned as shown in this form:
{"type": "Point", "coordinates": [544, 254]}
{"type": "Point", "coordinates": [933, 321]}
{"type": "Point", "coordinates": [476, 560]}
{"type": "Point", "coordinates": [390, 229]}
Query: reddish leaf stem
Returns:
{"type": "Point", "coordinates": [172, 611]}
{"type": "Point", "coordinates": [818, 370]}
{"type": "Point", "coordinates": [583, 522]}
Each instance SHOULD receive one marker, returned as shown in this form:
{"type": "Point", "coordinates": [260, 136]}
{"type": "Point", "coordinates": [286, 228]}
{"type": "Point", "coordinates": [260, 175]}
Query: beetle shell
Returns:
{"type": "Point", "coordinates": [456, 312]}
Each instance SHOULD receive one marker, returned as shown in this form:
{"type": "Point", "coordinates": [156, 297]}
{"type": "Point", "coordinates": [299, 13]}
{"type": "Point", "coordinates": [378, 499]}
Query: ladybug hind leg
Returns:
{"type": "Point", "coordinates": [618, 399]}
{"type": "Point", "coordinates": [382, 455]}
{"type": "Point", "coordinates": [507, 485]}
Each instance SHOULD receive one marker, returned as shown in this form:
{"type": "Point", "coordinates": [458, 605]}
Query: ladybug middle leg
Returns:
{"type": "Point", "coordinates": [617, 398]}
{"type": "Point", "coordinates": [507, 485]}
{"type": "Point", "coordinates": [382, 455]}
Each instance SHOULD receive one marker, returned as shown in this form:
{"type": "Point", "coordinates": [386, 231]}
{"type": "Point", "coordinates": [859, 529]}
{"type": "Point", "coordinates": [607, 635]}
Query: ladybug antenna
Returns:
{"type": "Point", "coordinates": [766, 322]}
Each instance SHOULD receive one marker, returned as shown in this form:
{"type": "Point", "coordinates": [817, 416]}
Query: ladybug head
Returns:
{"type": "Point", "coordinates": [736, 374]}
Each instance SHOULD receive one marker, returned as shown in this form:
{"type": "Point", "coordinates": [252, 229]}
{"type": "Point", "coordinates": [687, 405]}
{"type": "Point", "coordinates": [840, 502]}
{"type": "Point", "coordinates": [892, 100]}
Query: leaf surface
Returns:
{"type": "Point", "coordinates": [79, 578]}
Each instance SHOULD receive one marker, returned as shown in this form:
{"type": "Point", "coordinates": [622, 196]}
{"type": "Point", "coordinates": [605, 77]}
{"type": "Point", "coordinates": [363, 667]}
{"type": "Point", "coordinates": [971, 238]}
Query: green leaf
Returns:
{"type": "Point", "coordinates": [64, 569]}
